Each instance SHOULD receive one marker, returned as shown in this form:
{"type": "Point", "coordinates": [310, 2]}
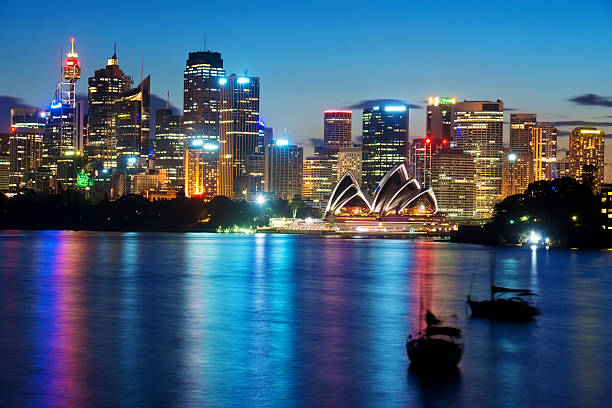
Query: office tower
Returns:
{"type": "Point", "coordinates": [521, 159]}
{"type": "Point", "coordinates": [201, 95]}
{"type": "Point", "coordinates": [478, 130]}
{"type": "Point", "coordinates": [318, 180]}
{"type": "Point", "coordinates": [132, 124]}
{"type": "Point", "coordinates": [4, 161]}
{"type": "Point", "coordinates": [385, 141]}
{"type": "Point", "coordinates": [265, 136]}
{"type": "Point", "coordinates": [148, 182]}
{"type": "Point", "coordinates": [284, 169]}
{"type": "Point", "coordinates": [563, 165]}
{"type": "Point", "coordinates": [606, 206]}
{"type": "Point", "coordinates": [170, 146]}
{"type": "Point", "coordinates": [349, 158]}
{"type": "Point", "coordinates": [25, 154]}
{"type": "Point", "coordinates": [105, 88]}
{"type": "Point", "coordinates": [420, 156]}
{"type": "Point", "coordinates": [28, 118]}
{"type": "Point", "coordinates": [238, 132]}
{"type": "Point", "coordinates": [255, 169]}
{"type": "Point", "coordinates": [586, 149]}
{"type": "Point", "coordinates": [337, 128]}
{"type": "Point", "coordinates": [453, 182]}
{"type": "Point", "coordinates": [514, 173]}
{"type": "Point", "coordinates": [543, 151]}
{"type": "Point", "coordinates": [439, 118]}
{"type": "Point", "coordinates": [200, 169]}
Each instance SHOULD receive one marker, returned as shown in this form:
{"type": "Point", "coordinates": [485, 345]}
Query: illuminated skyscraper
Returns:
{"type": "Point", "coordinates": [439, 118]}
{"type": "Point", "coordinates": [105, 88]}
{"type": "Point", "coordinates": [453, 182]}
{"type": "Point", "coordinates": [586, 151]}
{"type": "Point", "coordinates": [201, 95]}
{"type": "Point", "coordinates": [200, 170]}
{"type": "Point", "coordinates": [25, 154]}
{"type": "Point", "coordinates": [385, 141]}
{"type": "Point", "coordinates": [563, 165]}
{"type": "Point", "coordinates": [170, 146]}
{"type": "Point", "coordinates": [238, 132]}
{"type": "Point", "coordinates": [520, 156]}
{"type": "Point", "coordinates": [255, 168]}
{"type": "Point", "coordinates": [317, 180]}
{"type": "Point", "coordinates": [337, 128]}
{"type": "Point", "coordinates": [132, 123]}
{"type": "Point", "coordinates": [544, 151]}
{"type": "Point", "coordinates": [4, 161]}
{"type": "Point", "coordinates": [350, 158]}
{"type": "Point", "coordinates": [420, 158]}
{"type": "Point", "coordinates": [478, 131]}
{"type": "Point", "coordinates": [284, 169]}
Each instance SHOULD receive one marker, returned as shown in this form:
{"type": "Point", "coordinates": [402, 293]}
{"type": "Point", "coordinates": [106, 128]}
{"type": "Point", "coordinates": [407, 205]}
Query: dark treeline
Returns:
{"type": "Point", "coordinates": [563, 210]}
{"type": "Point", "coordinates": [72, 210]}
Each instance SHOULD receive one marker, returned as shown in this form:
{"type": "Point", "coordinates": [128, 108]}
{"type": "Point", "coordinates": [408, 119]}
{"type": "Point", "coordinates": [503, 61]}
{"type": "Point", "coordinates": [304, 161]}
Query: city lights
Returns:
{"type": "Point", "coordinates": [391, 108]}
{"type": "Point", "coordinates": [132, 160]}
{"type": "Point", "coordinates": [512, 156]}
{"type": "Point", "coordinates": [222, 81]}
{"type": "Point", "coordinates": [282, 142]}
{"type": "Point", "coordinates": [243, 80]}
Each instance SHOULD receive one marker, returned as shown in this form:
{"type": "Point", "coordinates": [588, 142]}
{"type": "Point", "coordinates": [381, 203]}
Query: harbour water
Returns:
{"type": "Point", "coordinates": [92, 319]}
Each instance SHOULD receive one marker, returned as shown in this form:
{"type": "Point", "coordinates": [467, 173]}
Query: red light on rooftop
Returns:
{"type": "Point", "coordinates": [12, 129]}
{"type": "Point", "coordinates": [427, 140]}
{"type": "Point", "coordinates": [444, 141]}
{"type": "Point", "coordinates": [338, 111]}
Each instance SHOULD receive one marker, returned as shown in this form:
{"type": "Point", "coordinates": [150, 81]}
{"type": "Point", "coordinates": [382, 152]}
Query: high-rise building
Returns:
{"type": "Point", "coordinates": [105, 88]}
{"type": "Point", "coordinates": [201, 95]}
{"type": "Point", "coordinates": [420, 157]}
{"type": "Point", "coordinates": [255, 169]}
{"type": "Point", "coordinates": [563, 165]}
{"type": "Point", "coordinates": [453, 182]}
{"type": "Point", "coordinates": [200, 169]}
{"type": "Point", "coordinates": [520, 156]}
{"type": "Point", "coordinates": [586, 149]}
{"type": "Point", "coordinates": [337, 128]}
{"type": "Point", "coordinates": [478, 131]}
{"type": "Point", "coordinates": [28, 118]}
{"type": "Point", "coordinates": [284, 169]}
{"type": "Point", "coordinates": [350, 158]}
{"type": "Point", "coordinates": [25, 154]}
{"type": "Point", "coordinates": [5, 163]}
{"type": "Point", "coordinates": [439, 118]}
{"type": "Point", "coordinates": [170, 146]}
{"type": "Point", "coordinates": [543, 151]}
{"type": "Point", "coordinates": [132, 124]}
{"type": "Point", "coordinates": [385, 141]}
{"type": "Point", "coordinates": [238, 132]}
{"type": "Point", "coordinates": [317, 180]}
{"type": "Point", "coordinates": [606, 206]}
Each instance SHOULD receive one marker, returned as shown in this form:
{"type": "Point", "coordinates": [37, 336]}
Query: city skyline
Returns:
{"type": "Point", "coordinates": [319, 76]}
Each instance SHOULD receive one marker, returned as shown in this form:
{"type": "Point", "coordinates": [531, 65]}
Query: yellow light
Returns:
{"type": "Point", "coordinates": [590, 132]}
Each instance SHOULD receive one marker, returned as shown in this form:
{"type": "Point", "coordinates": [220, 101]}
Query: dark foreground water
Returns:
{"type": "Point", "coordinates": [145, 319]}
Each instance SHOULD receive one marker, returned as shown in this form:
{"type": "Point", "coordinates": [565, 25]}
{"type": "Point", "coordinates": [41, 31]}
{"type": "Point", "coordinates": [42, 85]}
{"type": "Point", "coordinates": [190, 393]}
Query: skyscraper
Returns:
{"type": "Point", "coordinates": [317, 180]}
{"type": "Point", "coordinates": [200, 170]}
{"type": "Point", "coordinates": [284, 169]}
{"type": "Point", "coordinates": [586, 151]}
{"type": "Point", "coordinates": [420, 158]}
{"type": "Point", "coordinates": [132, 123]}
{"type": "Point", "coordinates": [25, 154]}
{"type": "Point", "coordinates": [478, 131]}
{"type": "Point", "coordinates": [105, 87]}
{"type": "Point", "coordinates": [238, 132]}
{"type": "Point", "coordinates": [453, 182]}
{"type": "Point", "coordinates": [520, 157]}
{"type": "Point", "coordinates": [170, 146]}
{"type": "Point", "coordinates": [201, 95]}
{"type": "Point", "coordinates": [337, 128]}
{"type": "Point", "coordinates": [439, 118]}
{"type": "Point", "coordinates": [385, 140]}
{"type": "Point", "coordinates": [350, 158]}
{"type": "Point", "coordinates": [544, 151]}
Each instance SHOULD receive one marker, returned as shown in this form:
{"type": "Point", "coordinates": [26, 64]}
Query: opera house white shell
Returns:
{"type": "Point", "coordinates": [396, 198]}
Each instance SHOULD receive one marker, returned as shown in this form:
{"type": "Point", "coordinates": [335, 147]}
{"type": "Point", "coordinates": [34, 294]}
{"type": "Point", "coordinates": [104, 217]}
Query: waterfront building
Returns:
{"type": "Point", "coordinates": [439, 125]}
{"type": "Point", "coordinates": [586, 150]}
{"type": "Point", "coordinates": [606, 206]}
{"type": "Point", "coordinates": [200, 169]}
{"type": "Point", "coordinates": [170, 146]}
{"type": "Point", "coordinates": [543, 151]}
{"type": "Point", "coordinates": [238, 132]}
{"type": "Point", "coordinates": [25, 154]}
{"type": "Point", "coordinates": [105, 88]}
{"type": "Point", "coordinates": [284, 169]}
{"type": "Point", "coordinates": [453, 182]}
{"type": "Point", "coordinates": [520, 156]}
{"type": "Point", "coordinates": [337, 128]}
{"type": "Point", "coordinates": [318, 179]}
{"type": "Point", "coordinates": [385, 141]}
{"type": "Point", "coordinates": [350, 158]}
{"type": "Point", "coordinates": [148, 182]}
{"type": "Point", "coordinates": [420, 158]}
{"type": "Point", "coordinates": [255, 169]}
{"type": "Point", "coordinates": [478, 131]}
{"type": "Point", "coordinates": [4, 161]}
{"type": "Point", "coordinates": [132, 125]}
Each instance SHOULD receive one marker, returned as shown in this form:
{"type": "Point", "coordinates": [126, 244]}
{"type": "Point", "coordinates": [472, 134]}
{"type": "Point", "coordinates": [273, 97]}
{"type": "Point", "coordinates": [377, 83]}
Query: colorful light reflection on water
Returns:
{"type": "Point", "coordinates": [131, 319]}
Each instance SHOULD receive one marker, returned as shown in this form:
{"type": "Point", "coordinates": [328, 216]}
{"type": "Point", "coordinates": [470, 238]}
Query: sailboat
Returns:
{"type": "Point", "coordinates": [439, 347]}
{"type": "Point", "coordinates": [505, 303]}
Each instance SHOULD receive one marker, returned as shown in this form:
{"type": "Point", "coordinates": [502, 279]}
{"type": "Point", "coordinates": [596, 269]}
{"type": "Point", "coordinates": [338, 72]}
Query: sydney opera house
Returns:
{"type": "Point", "coordinates": [396, 199]}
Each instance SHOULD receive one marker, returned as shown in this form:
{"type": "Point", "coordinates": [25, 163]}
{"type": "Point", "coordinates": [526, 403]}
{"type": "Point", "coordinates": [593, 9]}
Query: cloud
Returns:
{"type": "Point", "coordinates": [373, 102]}
{"type": "Point", "coordinates": [510, 109]}
{"type": "Point", "coordinates": [582, 123]}
{"type": "Point", "coordinates": [6, 103]}
{"type": "Point", "coordinates": [563, 133]}
{"type": "Point", "coordinates": [592, 100]}
{"type": "Point", "coordinates": [315, 141]}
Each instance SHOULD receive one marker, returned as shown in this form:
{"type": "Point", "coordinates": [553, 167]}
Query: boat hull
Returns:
{"type": "Point", "coordinates": [503, 310]}
{"type": "Point", "coordinates": [434, 354]}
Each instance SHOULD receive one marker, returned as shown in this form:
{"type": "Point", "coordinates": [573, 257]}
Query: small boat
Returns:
{"type": "Point", "coordinates": [505, 303]}
{"type": "Point", "coordinates": [438, 348]}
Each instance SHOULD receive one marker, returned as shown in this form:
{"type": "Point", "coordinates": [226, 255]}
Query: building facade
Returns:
{"type": "Point", "coordinates": [132, 123]}
{"type": "Point", "coordinates": [544, 151]}
{"type": "Point", "coordinates": [520, 156]}
{"type": "Point", "coordinates": [453, 176]}
{"type": "Point", "coordinates": [420, 158]}
{"type": "Point", "coordinates": [439, 120]}
{"type": "Point", "coordinates": [350, 158]}
{"type": "Point", "coordinates": [317, 180]}
{"type": "Point", "coordinates": [200, 169]}
{"type": "Point", "coordinates": [478, 131]}
{"type": "Point", "coordinates": [385, 141]}
{"type": "Point", "coordinates": [337, 128]}
{"type": "Point", "coordinates": [284, 169]}
{"type": "Point", "coordinates": [586, 150]}
{"type": "Point", "coordinates": [170, 146]}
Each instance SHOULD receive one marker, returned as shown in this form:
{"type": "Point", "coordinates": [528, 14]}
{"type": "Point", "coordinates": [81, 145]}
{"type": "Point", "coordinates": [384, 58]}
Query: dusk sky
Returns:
{"type": "Point", "coordinates": [317, 55]}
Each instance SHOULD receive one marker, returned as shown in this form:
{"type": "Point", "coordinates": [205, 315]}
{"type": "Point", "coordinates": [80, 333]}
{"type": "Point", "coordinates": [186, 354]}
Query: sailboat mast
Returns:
{"type": "Point", "coordinates": [492, 270]}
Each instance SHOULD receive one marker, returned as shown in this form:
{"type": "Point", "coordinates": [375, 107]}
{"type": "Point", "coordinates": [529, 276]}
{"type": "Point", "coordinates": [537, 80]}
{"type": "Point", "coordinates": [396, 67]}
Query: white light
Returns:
{"type": "Point", "coordinates": [131, 160]}
{"type": "Point", "coordinates": [260, 199]}
{"type": "Point", "coordinates": [534, 237]}
{"type": "Point", "coordinates": [395, 109]}
{"type": "Point", "coordinates": [243, 80]}
{"type": "Point", "coordinates": [282, 142]}
{"type": "Point", "coordinates": [210, 146]}
{"type": "Point", "coordinates": [222, 81]}
{"type": "Point", "coordinates": [197, 142]}
{"type": "Point", "coordinates": [512, 156]}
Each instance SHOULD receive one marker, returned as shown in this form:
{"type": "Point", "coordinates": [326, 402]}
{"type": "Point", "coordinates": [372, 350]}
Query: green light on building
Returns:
{"type": "Point", "coordinates": [83, 180]}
